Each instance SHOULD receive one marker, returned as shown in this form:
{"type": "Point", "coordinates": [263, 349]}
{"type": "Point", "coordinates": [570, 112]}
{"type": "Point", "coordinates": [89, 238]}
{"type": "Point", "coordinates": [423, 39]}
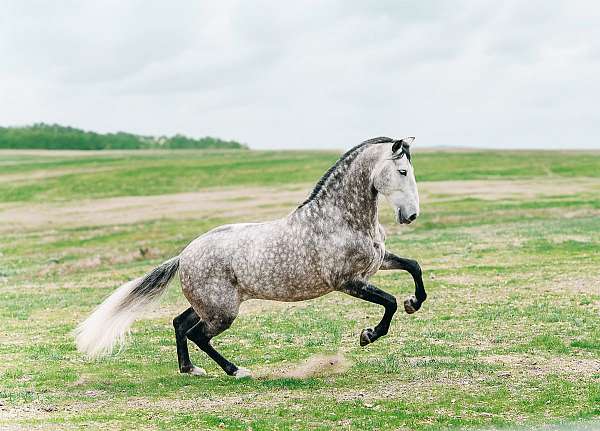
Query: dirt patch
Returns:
{"type": "Point", "coordinates": [202, 404]}
{"type": "Point", "coordinates": [256, 203]}
{"type": "Point", "coordinates": [179, 402]}
{"type": "Point", "coordinates": [95, 261]}
{"type": "Point", "coordinates": [464, 280]}
{"type": "Point", "coordinates": [21, 413]}
{"type": "Point", "coordinates": [398, 389]}
{"type": "Point", "coordinates": [318, 365]}
{"type": "Point", "coordinates": [538, 366]}
{"type": "Point", "coordinates": [559, 239]}
{"type": "Point", "coordinates": [49, 173]}
{"type": "Point", "coordinates": [572, 285]}
{"type": "Point", "coordinates": [506, 189]}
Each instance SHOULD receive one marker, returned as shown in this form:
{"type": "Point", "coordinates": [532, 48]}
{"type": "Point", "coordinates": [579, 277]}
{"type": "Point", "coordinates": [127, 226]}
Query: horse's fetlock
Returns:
{"type": "Point", "coordinates": [381, 330]}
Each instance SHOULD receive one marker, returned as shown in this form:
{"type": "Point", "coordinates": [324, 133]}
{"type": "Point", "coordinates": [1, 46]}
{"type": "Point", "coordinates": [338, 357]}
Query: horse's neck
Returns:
{"type": "Point", "coordinates": [350, 199]}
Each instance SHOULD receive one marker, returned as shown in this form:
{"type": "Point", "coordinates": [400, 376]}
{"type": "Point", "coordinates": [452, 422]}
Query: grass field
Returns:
{"type": "Point", "coordinates": [510, 335]}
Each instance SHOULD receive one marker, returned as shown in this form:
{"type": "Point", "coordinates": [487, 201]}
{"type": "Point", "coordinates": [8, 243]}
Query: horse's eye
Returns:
{"type": "Point", "coordinates": [402, 172]}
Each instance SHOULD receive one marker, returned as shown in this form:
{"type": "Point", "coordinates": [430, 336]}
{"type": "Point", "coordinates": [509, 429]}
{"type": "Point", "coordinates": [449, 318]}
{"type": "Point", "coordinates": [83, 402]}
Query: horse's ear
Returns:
{"type": "Point", "coordinates": [407, 141]}
{"type": "Point", "coordinates": [400, 143]}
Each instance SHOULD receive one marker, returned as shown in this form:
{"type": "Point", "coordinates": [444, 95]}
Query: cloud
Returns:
{"type": "Point", "coordinates": [309, 74]}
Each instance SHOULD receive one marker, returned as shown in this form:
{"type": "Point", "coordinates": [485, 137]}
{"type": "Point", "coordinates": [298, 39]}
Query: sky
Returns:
{"type": "Point", "coordinates": [304, 74]}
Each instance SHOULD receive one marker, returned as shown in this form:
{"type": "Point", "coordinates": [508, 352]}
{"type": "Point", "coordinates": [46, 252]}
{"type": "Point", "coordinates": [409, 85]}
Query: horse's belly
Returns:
{"type": "Point", "coordinates": [285, 293]}
{"type": "Point", "coordinates": [281, 284]}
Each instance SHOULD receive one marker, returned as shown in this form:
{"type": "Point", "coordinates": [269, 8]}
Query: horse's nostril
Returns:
{"type": "Point", "coordinates": [412, 217]}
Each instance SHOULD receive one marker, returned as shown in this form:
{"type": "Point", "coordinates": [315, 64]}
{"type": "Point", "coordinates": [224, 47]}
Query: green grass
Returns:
{"type": "Point", "coordinates": [162, 172]}
{"type": "Point", "coordinates": [508, 337]}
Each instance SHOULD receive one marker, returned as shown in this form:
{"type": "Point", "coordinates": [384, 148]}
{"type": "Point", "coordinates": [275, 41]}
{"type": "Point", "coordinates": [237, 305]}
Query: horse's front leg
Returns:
{"type": "Point", "coordinates": [368, 292]}
{"type": "Point", "coordinates": [391, 261]}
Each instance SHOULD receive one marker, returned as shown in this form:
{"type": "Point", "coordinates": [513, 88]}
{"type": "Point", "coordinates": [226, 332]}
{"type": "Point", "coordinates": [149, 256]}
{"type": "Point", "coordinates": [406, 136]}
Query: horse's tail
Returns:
{"type": "Point", "coordinates": [109, 324]}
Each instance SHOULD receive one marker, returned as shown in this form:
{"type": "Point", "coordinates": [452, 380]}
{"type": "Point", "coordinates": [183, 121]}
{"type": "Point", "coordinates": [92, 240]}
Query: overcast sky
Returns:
{"type": "Point", "coordinates": [323, 74]}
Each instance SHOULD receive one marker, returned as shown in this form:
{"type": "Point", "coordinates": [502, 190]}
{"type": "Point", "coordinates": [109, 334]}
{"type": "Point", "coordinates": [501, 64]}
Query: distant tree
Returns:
{"type": "Point", "coordinates": [54, 136]}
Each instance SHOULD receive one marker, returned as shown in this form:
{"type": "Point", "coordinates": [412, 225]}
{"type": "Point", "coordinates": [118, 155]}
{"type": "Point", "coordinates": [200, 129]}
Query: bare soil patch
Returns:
{"type": "Point", "coordinates": [507, 189]}
{"type": "Point", "coordinates": [317, 365]}
{"type": "Point", "coordinates": [49, 173]}
{"type": "Point", "coordinates": [540, 366]}
{"type": "Point", "coordinates": [573, 285]}
{"type": "Point", "coordinates": [255, 203]}
{"type": "Point", "coordinates": [10, 415]}
{"type": "Point", "coordinates": [95, 261]}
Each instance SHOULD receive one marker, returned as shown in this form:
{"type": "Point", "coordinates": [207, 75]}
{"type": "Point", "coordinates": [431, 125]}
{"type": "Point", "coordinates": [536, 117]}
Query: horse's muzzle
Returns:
{"type": "Point", "coordinates": [405, 220]}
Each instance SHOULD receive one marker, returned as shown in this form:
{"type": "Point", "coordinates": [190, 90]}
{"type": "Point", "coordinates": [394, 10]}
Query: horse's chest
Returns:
{"type": "Point", "coordinates": [362, 258]}
{"type": "Point", "coordinates": [377, 253]}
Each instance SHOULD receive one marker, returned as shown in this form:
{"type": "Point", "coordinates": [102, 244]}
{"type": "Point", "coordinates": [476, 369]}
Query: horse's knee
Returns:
{"type": "Point", "coordinates": [415, 268]}
{"type": "Point", "coordinates": [203, 331]}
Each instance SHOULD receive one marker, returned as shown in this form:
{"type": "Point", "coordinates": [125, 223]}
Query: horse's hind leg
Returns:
{"type": "Point", "coordinates": [182, 324]}
{"type": "Point", "coordinates": [217, 303]}
{"type": "Point", "coordinates": [203, 332]}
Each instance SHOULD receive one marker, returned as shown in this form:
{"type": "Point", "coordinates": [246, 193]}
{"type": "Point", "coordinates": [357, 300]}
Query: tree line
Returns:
{"type": "Point", "coordinates": [57, 137]}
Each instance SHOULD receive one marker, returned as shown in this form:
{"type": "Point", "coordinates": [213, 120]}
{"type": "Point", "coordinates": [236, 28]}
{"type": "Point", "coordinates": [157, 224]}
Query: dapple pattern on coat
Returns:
{"type": "Point", "coordinates": [331, 242]}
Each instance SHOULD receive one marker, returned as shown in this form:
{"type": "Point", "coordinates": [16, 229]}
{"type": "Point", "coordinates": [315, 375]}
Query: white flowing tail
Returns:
{"type": "Point", "coordinates": [109, 324]}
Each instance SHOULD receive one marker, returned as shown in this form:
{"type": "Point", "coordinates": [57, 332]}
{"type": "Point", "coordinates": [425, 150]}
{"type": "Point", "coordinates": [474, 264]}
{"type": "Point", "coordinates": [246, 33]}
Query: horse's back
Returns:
{"type": "Point", "coordinates": [218, 252]}
{"type": "Point", "coordinates": [213, 251]}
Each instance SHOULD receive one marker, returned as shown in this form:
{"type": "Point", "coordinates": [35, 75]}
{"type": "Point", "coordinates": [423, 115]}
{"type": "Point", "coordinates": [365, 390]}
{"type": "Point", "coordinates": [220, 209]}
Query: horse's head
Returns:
{"type": "Point", "coordinates": [394, 177]}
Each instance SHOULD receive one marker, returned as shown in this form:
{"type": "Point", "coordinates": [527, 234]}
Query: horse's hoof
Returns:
{"type": "Point", "coordinates": [366, 336]}
{"type": "Point", "coordinates": [242, 373]}
{"type": "Point", "coordinates": [195, 371]}
{"type": "Point", "coordinates": [411, 305]}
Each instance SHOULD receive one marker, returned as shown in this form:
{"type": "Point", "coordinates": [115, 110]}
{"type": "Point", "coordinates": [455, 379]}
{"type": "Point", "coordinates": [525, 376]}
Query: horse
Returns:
{"type": "Point", "coordinates": [333, 241]}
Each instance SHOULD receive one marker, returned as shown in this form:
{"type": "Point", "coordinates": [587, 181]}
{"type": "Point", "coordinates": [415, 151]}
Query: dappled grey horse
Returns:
{"type": "Point", "coordinates": [331, 242]}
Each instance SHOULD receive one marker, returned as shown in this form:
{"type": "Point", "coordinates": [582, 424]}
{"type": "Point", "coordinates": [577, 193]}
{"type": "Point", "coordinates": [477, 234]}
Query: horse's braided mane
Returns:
{"type": "Point", "coordinates": [352, 152]}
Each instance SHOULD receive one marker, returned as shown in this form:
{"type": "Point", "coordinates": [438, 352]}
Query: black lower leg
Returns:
{"type": "Point", "coordinates": [198, 335]}
{"type": "Point", "coordinates": [183, 323]}
{"type": "Point", "coordinates": [391, 261]}
{"type": "Point", "coordinates": [368, 292]}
